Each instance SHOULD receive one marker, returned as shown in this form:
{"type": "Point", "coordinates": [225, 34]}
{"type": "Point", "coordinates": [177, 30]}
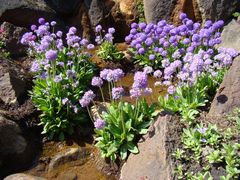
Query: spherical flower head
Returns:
{"type": "Point", "coordinates": [117, 74]}
{"type": "Point", "coordinates": [135, 93]}
{"type": "Point", "coordinates": [97, 81]}
{"type": "Point", "coordinates": [58, 78]}
{"type": "Point", "coordinates": [149, 42]}
{"type": "Point", "coordinates": [186, 41]}
{"type": "Point", "coordinates": [99, 124]}
{"type": "Point", "coordinates": [35, 66]}
{"type": "Point", "coordinates": [140, 80]}
{"type": "Point", "coordinates": [64, 101]}
{"type": "Point", "coordinates": [90, 46]}
{"type": "Point", "coordinates": [148, 91]}
{"type": "Point", "coordinates": [27, 38]}
{"type": "Point", "coordinates": [84, 42]}
{"type": "Point", "coordinates": [59, 34]}
{"type": "Point", "coordinates": [41, 21]}
{"type": "Point", "coordinates": [142, 25]}
{"type": "Point", "coordinates": [141, 51]}
{"type": "Point", "coordinates": [84, 102]}
{"type": "Point", "coordinates": [148, 69]}
{"type": "Point", "coordinates": [108, 37]}
{"type": "Point", "coordinates": [157, 73]}
{"type": "Point", "coordinates": [134, 25]}
{"type": "Point", "coordinates": [196, 38]}
{"type": "Point", "coordinates": [72, 30]}
{"type": "Point", "coordinates": [111, 30]}
{"type": "Point", "coordinates": [171, 89]}
{"type": "Point", "coordinates": [208, 24]}
{"type": "Point", "coordinates": [151, 57]}
{"type": "Point", "coordinates": [117, 92]}
{"type": "Point", "coordinates": [33, 27]}
{"type": "Point", "coordinates": [89, 95]}
{"type": "Point", "coordinates": [182, 16]}
{"type": "Point", "coordinates": [53, 23]}
{"type": "Point", "coordinates": [51, 55]}
{"type": "Point", "coordinates": [98, 28]}
{"type": "Point", "coordinates": [104, 73]}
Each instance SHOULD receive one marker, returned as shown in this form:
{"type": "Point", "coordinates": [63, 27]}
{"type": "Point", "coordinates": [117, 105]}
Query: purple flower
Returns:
{"type": "Point", "coordinates": [35, 66]}
{"type": "Point", "coordinates": [71, 73]}
{"type": "Point", "coordinates": [108, 37]}
{"type": "Point", "coordinates": [41, 21]}
{"type": "Point", "coordinates": [98, 28]}
{"type": "Point", "coordinates": [33, 27]}
{"type": "Point", "coordinates": [59, 34]}
{"type": "Point", "coordinates": [140, 80]}
{"type": "Point", "coordinates": [104, 73]}
{"type": "Point", "coordinates": [64, 101]}
{"type": "Point", "coordinates": [148, 91]}
{"type": "Point", "coordinates": [97, 81]}
{"type": "Point", "coordinates": [135, 93]}
{"type": "Point", "coordinates": [148, 69]}
{"type": "Point", "coordinates": [111, 30]}
{"type": "Point", "coordinates": [53, 23]}
{"type": "Point", "coordinates": [117, 92]}
{"type": "Point", "coordinates": [151, 57]}
{"type": "Point", "coordinates": [58, 78]}
{"type": "Point", "coordinates": [27, 38]}
{"type": "Point", "coordinates": [182, 16]}
{"type": "Point", "coordinates": [99, 124]}
{"type": "Point", "coordinates": [84, 102]}
{"type": "Point", "coordinates": [72, 30]}
{"type": "Point", "coordinates": [117, 74]}
{"type": "Point", "coordinates": [157, 74]}
{"type": "Point", "coordinates": [90, 46]}
{"type": "Point", "coordinates": [171, 89]}
{"type": "Point", "coordinates": [141, 51]}
{"type": "Point", "coordinates": [202, 130]}
{"type": "Point", "coordinates": [51, 55]}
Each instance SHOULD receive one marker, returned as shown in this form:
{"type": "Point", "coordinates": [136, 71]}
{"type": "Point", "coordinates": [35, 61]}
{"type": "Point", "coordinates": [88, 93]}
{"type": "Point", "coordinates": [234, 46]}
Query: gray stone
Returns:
{"type": "Point", "coordinates": [22, 176]}
{"type": "Point", "coordinates": [218, 9]}
{"type": "Point", "coordinates": [71, 154]}
{"type": "Point", "coordinates": [24, 13]}
{"type": "Point", "coordinates": [230, 35]}
{"type": "Point", "coordinates": [96, 12]}
{"type": "Point", "coordinates": [11, 140]}
{"type": "Point", "coordinates": [227, 97]}
{"type": "Point", "coordinates": [12, 36]}
{"type": "Point", "coordinates": [153, 161]}
{"type": "Point", "coordinates": [156, 10]}
{"type": "Point", "coordinates": [12, 83]}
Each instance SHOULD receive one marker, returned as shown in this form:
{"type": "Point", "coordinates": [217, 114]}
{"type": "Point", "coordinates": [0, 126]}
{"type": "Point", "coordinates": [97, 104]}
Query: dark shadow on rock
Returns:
{"type": "Point", "coordinates": [222, 98]}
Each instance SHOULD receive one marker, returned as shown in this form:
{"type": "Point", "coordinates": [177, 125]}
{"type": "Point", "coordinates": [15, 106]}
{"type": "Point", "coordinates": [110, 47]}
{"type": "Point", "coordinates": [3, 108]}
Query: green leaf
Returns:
{"type": "Point", "coordinates": [132, 148]}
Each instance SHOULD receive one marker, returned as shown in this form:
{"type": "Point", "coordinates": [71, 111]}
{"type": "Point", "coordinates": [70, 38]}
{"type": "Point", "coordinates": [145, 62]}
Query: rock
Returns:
{"type": "Point", "coordinates": [13, 83]}
{"type": "Point", "coordinates": [64, 7]}
{"type": "Point", "coordinates": [153, 161]}
{"type": "Point", "coordinates": [230, 35]}
{"type": "Point", "coordinates": [24, 13]}
{"type": "Point", "coordinates": [156, 10]}
{"type": "Point", "coordinates": [22, 176]}
{"type": "Point", "coordinates": [12, 36]}
{"type": "Point", "coordinates": [11, 140]}
{"type": "Point", "coordinates": [218, 9]}
{"type": "Point", "coordinates": [71, 154]}
{"type": "Point", "coordinates": [96, 12]}
{"type": "Point", "coordinates": [198, 10]}
{"type": "Point", "coordinates": [227, 97]}
{"type": "Point", "coordinates": [68, 176]}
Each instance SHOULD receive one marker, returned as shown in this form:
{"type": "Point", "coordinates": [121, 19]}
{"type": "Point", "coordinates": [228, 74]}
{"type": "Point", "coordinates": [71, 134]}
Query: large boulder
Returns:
{"type": "Point", "coordinates": [154, 158]}
{"type": "Point", "coordinates": [13, 83]}
{"type": "Point", "coordinates": [199, 10]}
{"type": "Point", "coordinates": [24, 13]}
{"type": "Point", "coordinates": [230, 35]}
{"type": "Point", "coordinates": [11, 35]}
{"type": "Point", "coordinates": [227, 97]}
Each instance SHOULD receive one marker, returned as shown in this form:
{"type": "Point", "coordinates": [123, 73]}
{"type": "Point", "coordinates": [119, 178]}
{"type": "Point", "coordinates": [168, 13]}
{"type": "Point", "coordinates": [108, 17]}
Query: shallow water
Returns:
{"type": "Point", "coordinates": [84, 168]}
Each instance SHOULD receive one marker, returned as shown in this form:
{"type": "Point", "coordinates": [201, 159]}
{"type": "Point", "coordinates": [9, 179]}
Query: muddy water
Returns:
{"type": "Point", "coordinates": [84, 168]}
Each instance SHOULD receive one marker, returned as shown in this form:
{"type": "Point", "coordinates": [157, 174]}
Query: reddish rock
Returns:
{"type": "Point", "coordinates": [153, 161]}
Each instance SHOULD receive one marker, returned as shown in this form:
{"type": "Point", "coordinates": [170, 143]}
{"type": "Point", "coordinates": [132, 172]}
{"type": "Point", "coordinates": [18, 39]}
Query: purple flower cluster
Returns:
{"type": "Point", "coordinates": [152, 43]}
{"type": "Point", "coordinates": [99, 124]}
{"type": "Point", "coordinates": [140, 84]}
{"type": "Point", "coordinates": [87, 98]}
{"type": "Point", "coordinates": [117, 92]}
{"type": "Point", "coordinates": [112, 75]}
{"type": "Point", "coordinates": [107, 37]}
